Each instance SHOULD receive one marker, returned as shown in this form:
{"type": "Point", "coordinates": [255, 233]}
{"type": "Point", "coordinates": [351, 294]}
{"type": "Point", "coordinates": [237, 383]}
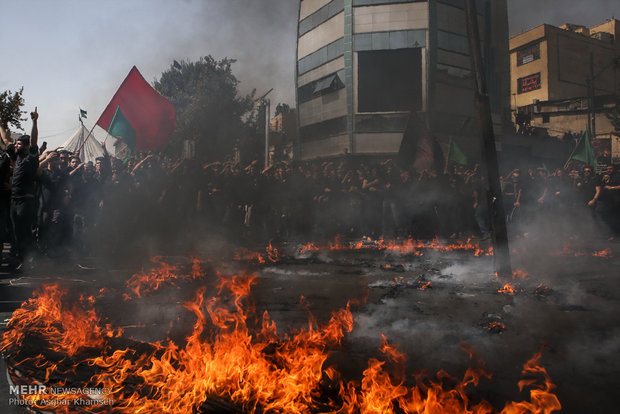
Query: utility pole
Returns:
{"type": "Point", "coordinates": [489, 152]}
{"type": "Point", "coordinates": [266, 103]}
{"type": "Point", "coordinates": [267, 111]}
{"type": "Point", "coordinates": [591, 109]}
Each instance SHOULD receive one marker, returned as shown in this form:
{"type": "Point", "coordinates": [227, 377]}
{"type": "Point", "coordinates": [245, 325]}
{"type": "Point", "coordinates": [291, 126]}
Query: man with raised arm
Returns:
{"type": "Point", "coordinates": [5, 186]}
{"type": "Point", "coordinates": [25, 155]}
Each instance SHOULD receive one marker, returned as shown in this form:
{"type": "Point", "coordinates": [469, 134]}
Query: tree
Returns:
{"type": "Point", "coordinates": [208, 107]}
{"type": "Point", "coordinates": [10, 109]}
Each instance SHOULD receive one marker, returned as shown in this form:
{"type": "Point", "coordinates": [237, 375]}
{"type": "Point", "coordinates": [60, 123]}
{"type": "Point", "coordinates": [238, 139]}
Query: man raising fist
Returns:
{"type": "Point", "coordinates": [26, 158]}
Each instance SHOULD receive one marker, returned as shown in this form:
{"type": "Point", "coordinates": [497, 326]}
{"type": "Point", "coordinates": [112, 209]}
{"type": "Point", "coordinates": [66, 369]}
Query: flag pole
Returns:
{"type": "Point", "coordinates": [573, 151]}
{"type": "Point", "coordinates": [445, 170]}
{"type": "Point", "coordinates": [86, 139]}
{"type": "Point", "coordinates": [586, 132]}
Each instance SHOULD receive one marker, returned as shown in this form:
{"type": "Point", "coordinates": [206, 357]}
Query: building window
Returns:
{"type": "Point", "coordinates": [323, 86]}
{"type": "Point", "coordinates": [528, 54]}
{"type": "Point", "coordinates": [528, 83]}
{"type": "Point", "coordinates": [545, 118]}
{"type": "Point", "coordinates": [390, 80]}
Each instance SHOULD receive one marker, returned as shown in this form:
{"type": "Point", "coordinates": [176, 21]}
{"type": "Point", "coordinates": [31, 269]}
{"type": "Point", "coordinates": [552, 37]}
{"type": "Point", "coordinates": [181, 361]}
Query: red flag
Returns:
{"type": "Point", "coordinates": [151, 115]}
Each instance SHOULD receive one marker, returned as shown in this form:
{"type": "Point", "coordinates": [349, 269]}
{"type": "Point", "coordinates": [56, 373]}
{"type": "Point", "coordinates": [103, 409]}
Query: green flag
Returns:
{"type": "Point", "coordinates": [82, 113]}
{"type": "Point", "coordinates": [122, 129]}
{"type": "Point", "coordinates": [583, 151]}
{"type": "Point", "coordinates": [455, 154]}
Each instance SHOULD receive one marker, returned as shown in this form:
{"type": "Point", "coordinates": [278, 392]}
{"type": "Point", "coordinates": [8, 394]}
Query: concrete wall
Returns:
{"type": "Point", "coordinates": [454, 100]}
{"type": "Point", "coordinates": [330, 67]}
{"type": "Point", "coordinates": [382, 143]}
{"type": "Point", "coordinates": [564, 64]}
{"type": "Point", "coordinates": [559, 124]}
{"type": "Point", "coordinates": [329, 147]}
{"type": "Point", "coordinates": [453, 59]}
{"type": "Point", "coordinates": [332, 105]}
{"type": "Point", "coordinates": [452, 19]}
{"type": "Point", "coordinates": [571, 55]}
{"type": "Point", "coordinates": [390, 17]}
{"type": "Point", "coordinates": [326, 33]}
{"type": "Point", "coordinates": [310, 6]}
{"type": "Point", "coordinates": [536, 35]}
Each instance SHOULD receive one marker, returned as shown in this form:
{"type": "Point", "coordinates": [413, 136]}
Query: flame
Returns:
{"type": "Point", "coordinates": [67, 325]}
{"type": "Point", "coordinates": [424, 286]}
{"type": "Point", "coordinates": [542, 399]}
{"type": "Point", "coordinates": [495, 326]}
{"type": "Point", "coordinates": [508, 289]}
{"type": "Point", "coordinates": [402, 247]}
{"type": "Point", "coordinates": [147, 282]}
{"type": "Point", "coordinates": [603, 253]}
{"type": "Point", "coordinates": [308, 248]}
{"type": "Point", "coordinates": [569, 250]}
{"type": "Point", "coordinates": [232, 355]}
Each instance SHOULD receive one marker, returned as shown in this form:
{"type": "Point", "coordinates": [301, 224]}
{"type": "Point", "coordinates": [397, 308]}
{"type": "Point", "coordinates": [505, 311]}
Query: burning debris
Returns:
{"type": "Point", "coordinates": [406, 247]}
{"type": "Point", "coordinates": [231, 360]}
{"type": "Point", "coordinates": [495, 327]}
{"type": "Point", "coordinates": [570, 250]}
{"type": "Point", "coordinates": [492, 323]}
{"type": "Point", "coordinates": [507, 289]}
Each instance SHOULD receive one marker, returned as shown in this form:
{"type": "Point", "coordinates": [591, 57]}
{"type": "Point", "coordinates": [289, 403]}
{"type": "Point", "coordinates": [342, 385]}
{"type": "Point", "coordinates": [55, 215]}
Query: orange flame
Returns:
{"type": "Point", "coordinates": [67, 327]}
{"type": "Point", "coordinates": [603, 253]}
{"type": "Point", "coordinates": [508, 289]}
{"type": "Point", "coordinates": [256, 369]}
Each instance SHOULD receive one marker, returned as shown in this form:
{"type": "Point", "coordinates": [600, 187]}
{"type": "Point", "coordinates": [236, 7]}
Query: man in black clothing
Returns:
{"type": "Point", "coordinates": [5, 188]}
{"type": "Point", "coordinates": [23, 189]}
{"type": "Point", "coordinates": [606, 200]}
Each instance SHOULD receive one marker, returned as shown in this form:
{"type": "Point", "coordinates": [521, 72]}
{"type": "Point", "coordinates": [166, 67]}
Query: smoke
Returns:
{"type": "Point", "coordinates": [526, 14]}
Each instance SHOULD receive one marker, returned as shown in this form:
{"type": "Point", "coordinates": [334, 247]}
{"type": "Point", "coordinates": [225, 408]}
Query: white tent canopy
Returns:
{"type": "Point", "coordinates": [91, 148]}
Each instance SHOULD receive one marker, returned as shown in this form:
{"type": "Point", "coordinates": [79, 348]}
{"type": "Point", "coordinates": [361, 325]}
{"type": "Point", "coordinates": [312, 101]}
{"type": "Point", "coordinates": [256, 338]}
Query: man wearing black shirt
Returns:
{"type": "Point", "coordinates": [26, 159]}
{"type": "Point", "coordinates": [606, 200]}
{"type": "Point", "coordinates": [5, 187]}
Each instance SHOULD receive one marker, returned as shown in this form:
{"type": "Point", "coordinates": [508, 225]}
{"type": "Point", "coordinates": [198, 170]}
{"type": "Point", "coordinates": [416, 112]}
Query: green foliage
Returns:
{"type": "Point", "coordinates": [207, 104]}
{"type": "Point", "coordinates": [10, 108]}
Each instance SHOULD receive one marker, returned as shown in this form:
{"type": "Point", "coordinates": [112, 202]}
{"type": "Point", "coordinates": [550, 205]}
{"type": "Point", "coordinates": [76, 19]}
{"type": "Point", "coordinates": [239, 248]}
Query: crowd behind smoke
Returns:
{"type": "Point", "coordinates": [112, 204]}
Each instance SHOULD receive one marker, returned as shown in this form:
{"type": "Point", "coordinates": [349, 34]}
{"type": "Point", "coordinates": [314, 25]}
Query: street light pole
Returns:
{"type": "Point", "coordinates": [591, 109]}
{"type": "Point", "coordinates": [267, 111]}
{"type": "Point", "coordinates": [266, 103]}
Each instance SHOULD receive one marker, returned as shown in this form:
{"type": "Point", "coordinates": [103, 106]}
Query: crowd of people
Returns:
{"type": "Point", "coordinates": [53, 204]}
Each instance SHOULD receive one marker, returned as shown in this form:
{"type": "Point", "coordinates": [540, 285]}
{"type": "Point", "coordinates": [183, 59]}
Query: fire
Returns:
{"type": "Point", "coordinates": [540, 394]}
{"type": "Point", "coordinates": [143, 283]}
{"type": "Point", "coordinates": [68, 324]}
{"type": "Point", "coordinates": [402, 247]}
{"type": "Point", "coordinates": [495, 327]}
{"type": "Point", "coordinates": [424, 285]}
{"type": "Point", "coordinates": [307, 248]}
{"type": "Point", "coordinates": [235, 356]}
{"type": "Point", "coordinates": [603, 253]}
{"type": "Point", "coordinates": [570, 250]}
{"type": "Point", "coordinates": [508, 289]}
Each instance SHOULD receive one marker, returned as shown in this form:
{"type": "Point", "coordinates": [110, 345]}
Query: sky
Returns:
{"type": "Point", "coordinates": [72, 54]}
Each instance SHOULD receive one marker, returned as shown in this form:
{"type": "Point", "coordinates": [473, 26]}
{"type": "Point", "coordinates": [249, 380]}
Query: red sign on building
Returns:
{"type": "Point", "coordinates": [529, 83]}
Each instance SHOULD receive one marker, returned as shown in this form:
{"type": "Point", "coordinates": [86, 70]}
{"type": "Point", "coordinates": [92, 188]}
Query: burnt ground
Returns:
{"type": "Point", "coordinates": [568, 304]}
